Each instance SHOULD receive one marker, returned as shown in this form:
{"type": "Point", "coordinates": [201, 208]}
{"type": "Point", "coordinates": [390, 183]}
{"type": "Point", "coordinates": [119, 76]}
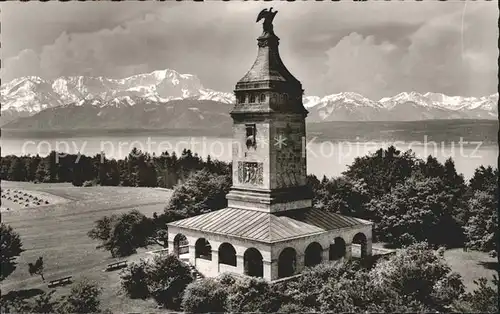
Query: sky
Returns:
{"type": "Point", "coordinates": [377, 49]}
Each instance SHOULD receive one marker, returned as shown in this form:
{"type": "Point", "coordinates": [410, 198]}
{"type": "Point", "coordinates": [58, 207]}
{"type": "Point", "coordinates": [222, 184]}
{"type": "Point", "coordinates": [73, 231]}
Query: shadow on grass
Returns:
{"type": "Point", "coordinates": [489, 265]}
{"type": "Point", "coordinates": [21, 294]}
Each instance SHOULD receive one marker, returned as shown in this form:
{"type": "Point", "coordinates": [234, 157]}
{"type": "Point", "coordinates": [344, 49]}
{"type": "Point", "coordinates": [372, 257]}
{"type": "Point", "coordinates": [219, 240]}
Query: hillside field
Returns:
{"type": "Point", "coordinates": [58, 232]}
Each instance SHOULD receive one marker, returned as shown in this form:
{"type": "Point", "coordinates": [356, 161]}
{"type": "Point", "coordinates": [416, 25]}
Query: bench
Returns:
{"type": "Point", "coordinates": [116, 265]}
{"type": "Point", "coordinates": [59, 282]}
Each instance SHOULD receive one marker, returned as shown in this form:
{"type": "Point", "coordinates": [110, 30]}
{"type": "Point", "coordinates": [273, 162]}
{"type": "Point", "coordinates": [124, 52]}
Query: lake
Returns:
{"type": "Point", "coordinates": [323, 157]}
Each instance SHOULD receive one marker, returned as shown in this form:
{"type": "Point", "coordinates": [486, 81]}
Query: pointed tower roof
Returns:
{"type": "Point", "coordinates": [271, 86]}
{"type": "Point", "coordinates": [268, 66]}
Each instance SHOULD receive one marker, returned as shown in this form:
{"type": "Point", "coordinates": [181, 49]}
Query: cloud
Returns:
{"type": "Point", "coordinates": [26, 63]}
{"type": "Point", "coordinates": [358, 64]}
{"type": "Point", "coordinates": [452, 54]}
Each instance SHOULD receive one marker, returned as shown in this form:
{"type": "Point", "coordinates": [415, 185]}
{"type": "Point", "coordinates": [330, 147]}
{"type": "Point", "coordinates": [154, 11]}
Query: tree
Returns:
{"type": "Point", "coordinates": [36, 268]}
{"type": "Point", "coordinates": [130, 231]}
{"type": "Point", "coordinates": [344, 196]}
{"type": "Point", "coordinates": [168, 277]}
{"type": "Point", "coordinates": [78, 177]}
{"type": "Point", "coordinates": [122, 235]}
{"type": "Point", "coordinates": [484, 179]}
{"type": "Point", "coordinates": [104, 171]}
{"type": "Point", "coordinates": [52, 166]}
{"type": "Point", "coordinates": [418, 209]}
{"type": "Point", "coordinates": [455, 185]}
{"type": "Point", "coordinates": [205, 295]}
{"type": "Point", "coordinates": [482, 226]}
{"type": "Point", "coordinates": [382, 170]}
{"type": "Point", "coordinates": [83, 298]}
{"type": "Point", "coordinates": [421, 274]}
{"type": "Point", "coordinates": [42, 173]}
{"type": "Point", "coordinates": [484, 299]}
{"type": "Point", "coordinates": [10, 248]}
{"type": "Point", "coordinates": [114, 173]}
{"type": "Point", "coordinates": [202, 192]}
{"type": "Point", "coordinates": [17, 171]}
{"type": "Point", "coordinates": [31, 167]}
{"type": "Point", "coordinates": [102, 228]}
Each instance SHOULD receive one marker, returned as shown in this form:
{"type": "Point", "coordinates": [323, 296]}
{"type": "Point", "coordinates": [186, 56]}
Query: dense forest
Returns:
{"type": "Point", "coordinates": [409, 199]}
{"type": "Point", "coordinates": [137, 169]}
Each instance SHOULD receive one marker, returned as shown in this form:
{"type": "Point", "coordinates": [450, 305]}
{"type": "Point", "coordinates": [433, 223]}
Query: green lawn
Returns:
{"type": "Point", "coordinates": [471, 265]}
{"type": "Point", "coordinates": [58, 233]}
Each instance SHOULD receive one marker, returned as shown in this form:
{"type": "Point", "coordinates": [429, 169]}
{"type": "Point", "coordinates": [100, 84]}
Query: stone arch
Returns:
{"type": "Point", "coordinates": [360, 238]}
{"type": "Point", "coordinates": [203, 249]}
{"type": "Point", "coordinates": [253, 263]}
{"type": "Point", "coordinates": [312, 254]}
{"type": "Point", "coordinates": [181, 245]}
{"type": "Point", "coordinates": [337, 249]}
{"type": "Point", "coordinates": [252, 98]}
{"type": "Point", "coordinates": [262, 97]}
{"type": "Point", "coordinates": [287, 262]}
{"type": "Point", "coordinates": [227, 254]}
{"type": "Point", "coordinates": [241, 98]}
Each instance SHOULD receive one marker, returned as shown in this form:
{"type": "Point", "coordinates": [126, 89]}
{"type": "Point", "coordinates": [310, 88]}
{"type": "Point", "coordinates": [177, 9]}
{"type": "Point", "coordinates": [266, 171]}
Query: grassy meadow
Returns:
{"type": "Point", "coordinates": [58, 232]}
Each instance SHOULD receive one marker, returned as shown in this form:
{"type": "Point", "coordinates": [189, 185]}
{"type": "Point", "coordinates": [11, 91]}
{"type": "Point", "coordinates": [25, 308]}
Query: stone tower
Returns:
{"type": "Point", "coordinates": [269, 228]}
{"type": "Point", "coordinates": [269, 155]}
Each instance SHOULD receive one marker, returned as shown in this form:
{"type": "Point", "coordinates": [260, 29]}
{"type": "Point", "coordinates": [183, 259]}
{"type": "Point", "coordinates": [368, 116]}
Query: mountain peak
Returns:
{"type": "Point", "coordinates": [26, 96]}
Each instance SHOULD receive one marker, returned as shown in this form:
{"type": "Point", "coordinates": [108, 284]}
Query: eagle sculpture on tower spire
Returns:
{"type": "Point", "coordinates": [268, 17]}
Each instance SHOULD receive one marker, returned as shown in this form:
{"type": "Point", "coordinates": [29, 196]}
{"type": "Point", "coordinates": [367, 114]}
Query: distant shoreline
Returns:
{"type": "Point", "coordinates": [447, 131]}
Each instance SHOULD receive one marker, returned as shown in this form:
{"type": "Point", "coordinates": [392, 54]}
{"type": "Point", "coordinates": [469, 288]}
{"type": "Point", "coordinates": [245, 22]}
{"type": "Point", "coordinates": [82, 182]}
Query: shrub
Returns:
{"type": "Point", "coordinates": [252, 295]}
{"type": "Point", "coordinates": [168, 278]}
{"type": "Point", "coordinates": [421, 274]}
{"type": "Point", "coordinates": [83, 298]}
{"type": "Point", "coordinates": [134, 281]}
{"type": "Point", "coordinates": [206, 295]}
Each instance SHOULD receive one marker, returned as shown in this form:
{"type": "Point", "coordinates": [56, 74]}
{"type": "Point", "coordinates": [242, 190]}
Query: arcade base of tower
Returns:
{"type": "Point", "coordinates": [267, 245]}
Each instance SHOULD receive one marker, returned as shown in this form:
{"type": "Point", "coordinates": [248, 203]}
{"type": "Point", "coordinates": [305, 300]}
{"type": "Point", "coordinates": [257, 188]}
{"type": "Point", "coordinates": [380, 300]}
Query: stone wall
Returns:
{"type": "Point", "coordinates": [270, 252]}
{"type": "Point", "coordinates": [258, 154]}
{"type": "Point", "coordinates": [288, 155]}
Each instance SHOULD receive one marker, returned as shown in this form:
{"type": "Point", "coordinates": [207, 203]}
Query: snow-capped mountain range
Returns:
{"type": "Point", "coordinates": [402, 107]}
{"type": "Point", "coordinates": [33, 94]}
{"type": "Point", "coordinates": [28, 97]}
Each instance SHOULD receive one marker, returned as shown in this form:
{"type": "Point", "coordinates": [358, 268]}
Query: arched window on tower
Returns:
{"type": "Point", "coordinates": [281, 98]}
{"type": "Point", "coordinates": [262, 97]}
{"type": "Point", "coordinates": [251, 130]}
{"type": "Point", "coordinates": [252, 98]}
{"type": "Point", "coordinates": [274, 98]}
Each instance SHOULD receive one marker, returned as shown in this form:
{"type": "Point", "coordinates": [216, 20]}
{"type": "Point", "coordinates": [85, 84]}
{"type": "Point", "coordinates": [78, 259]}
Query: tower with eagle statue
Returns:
{"type": "Point", "coordinates": [270, 228]}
